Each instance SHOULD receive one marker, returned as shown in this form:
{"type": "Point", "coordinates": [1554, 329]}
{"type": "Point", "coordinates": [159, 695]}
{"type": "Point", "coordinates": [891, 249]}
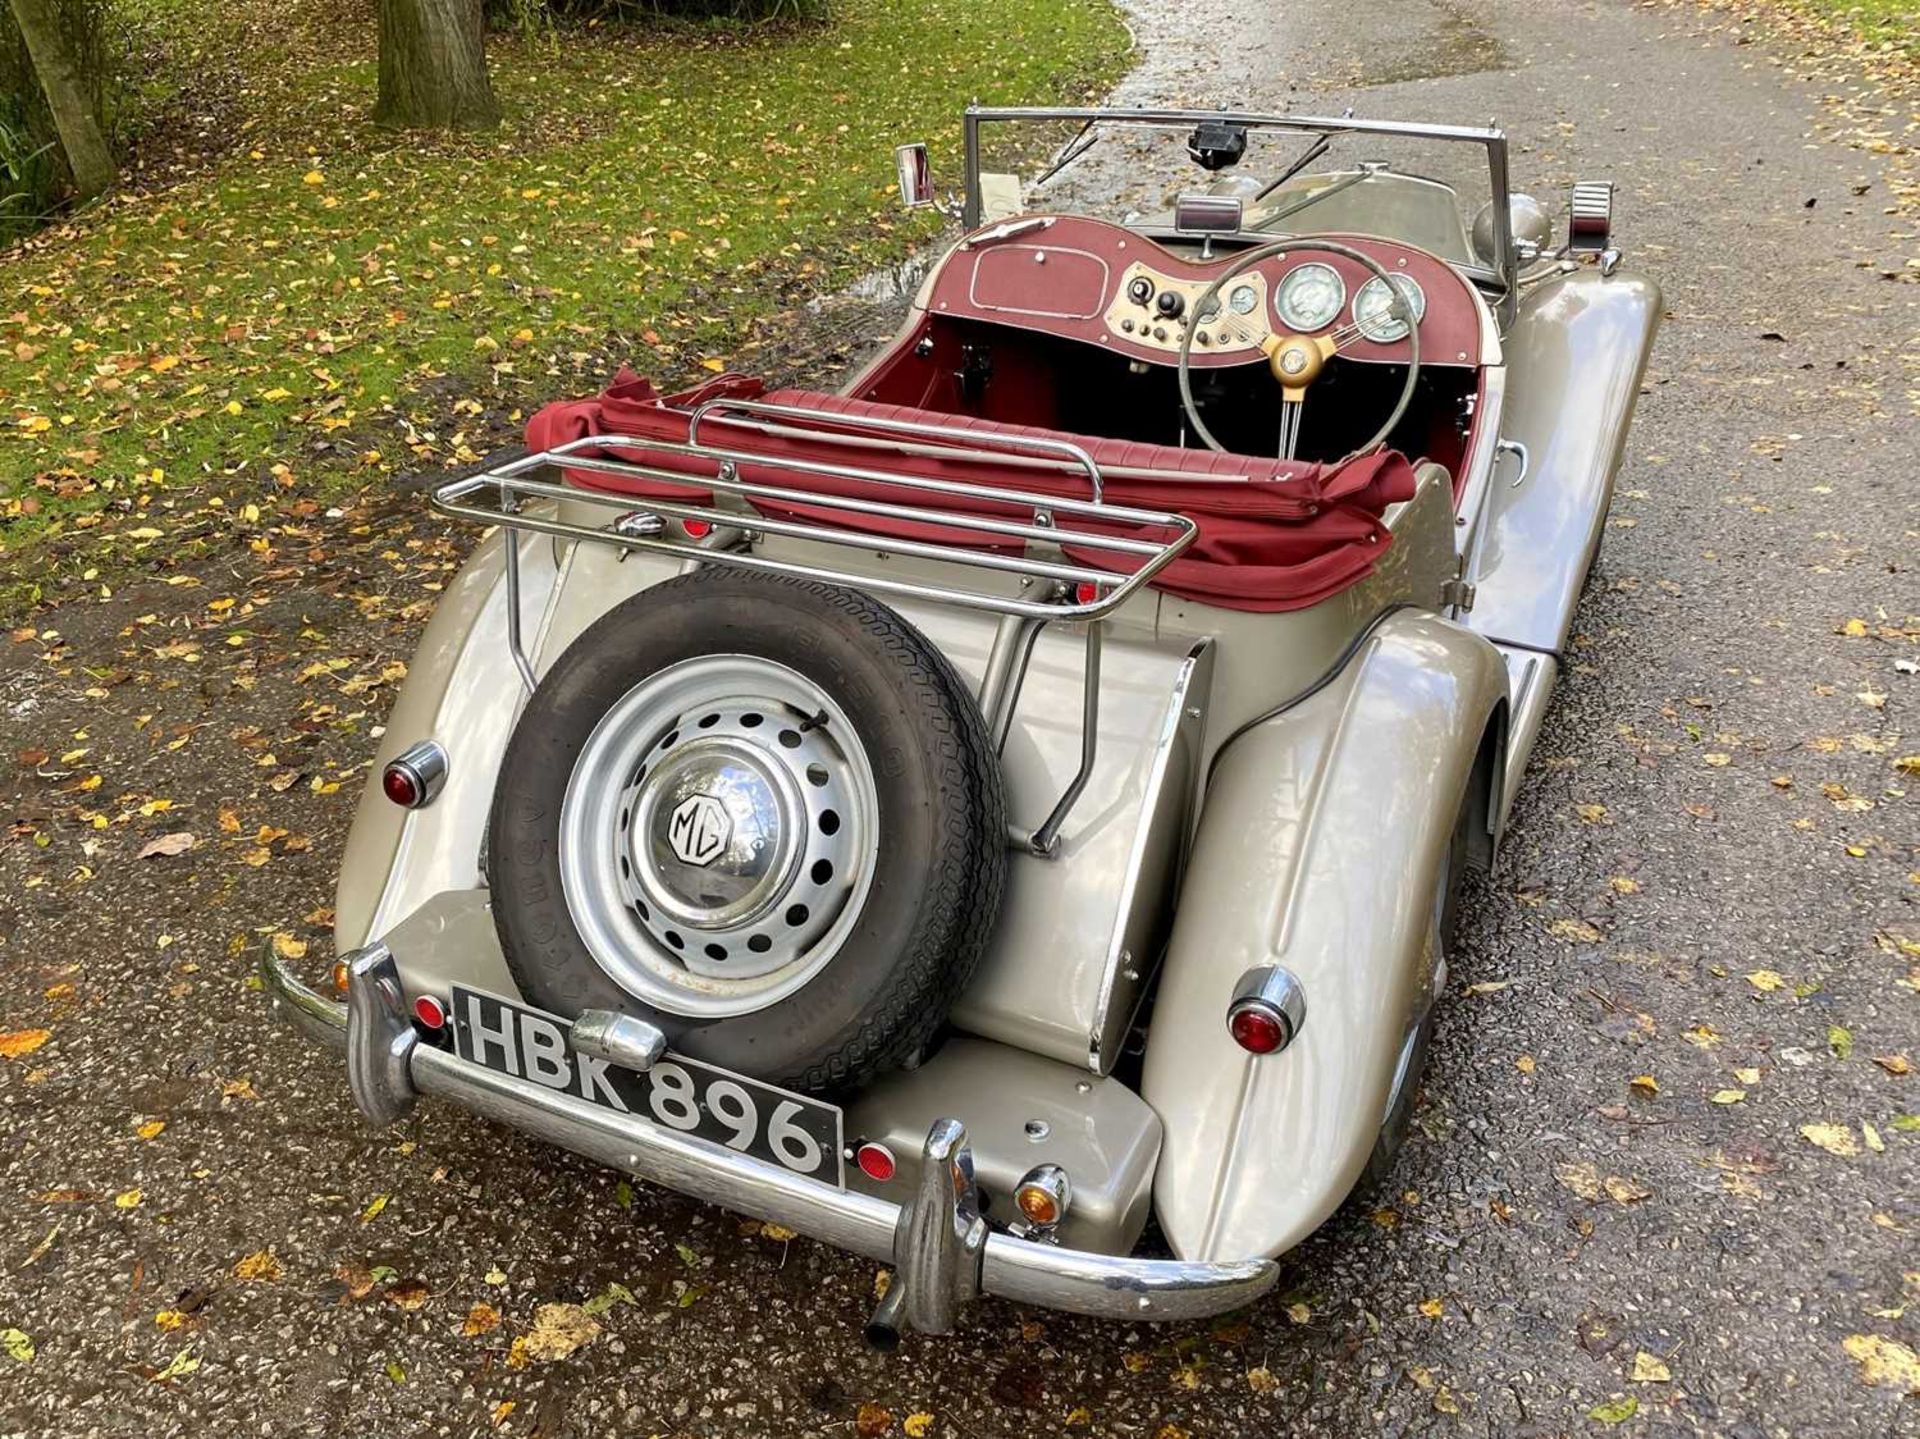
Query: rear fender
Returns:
{"type": "Point", "coordinates": [463, 691]}
{"type": "Point", "coordinates": [1319, 849]}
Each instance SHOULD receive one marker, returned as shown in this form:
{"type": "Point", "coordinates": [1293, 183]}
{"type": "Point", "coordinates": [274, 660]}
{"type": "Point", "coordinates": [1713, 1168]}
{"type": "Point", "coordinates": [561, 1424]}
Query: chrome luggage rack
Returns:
{"type": "Point", "coordinates": [1052, 587]}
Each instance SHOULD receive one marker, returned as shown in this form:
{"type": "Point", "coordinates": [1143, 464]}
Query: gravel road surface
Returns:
{"type": "Point", "coordinates": [1661, 1181]}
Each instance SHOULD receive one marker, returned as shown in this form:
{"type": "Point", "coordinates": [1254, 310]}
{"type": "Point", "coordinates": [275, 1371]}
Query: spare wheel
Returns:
{"type": "Point", "coordinates": [761, 813]}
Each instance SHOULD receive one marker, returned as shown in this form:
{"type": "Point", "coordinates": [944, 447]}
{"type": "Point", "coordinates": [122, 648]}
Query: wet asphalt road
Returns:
{"type": "Point", "coordinates": [1715, 803]}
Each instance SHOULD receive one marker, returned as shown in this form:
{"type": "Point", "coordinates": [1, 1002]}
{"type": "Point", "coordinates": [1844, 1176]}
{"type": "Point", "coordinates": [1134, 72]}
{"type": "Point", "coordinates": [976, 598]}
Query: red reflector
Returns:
{"type": "Point", "coordinates": [698, 529]}
{"type": "Point", "coordinates": [875, 1161]}
{"type": "Point", "coordinates": [1256, 1030]}
{"type": "Point", "coordinates": [1086, 592]}
{"type": "Point", "coordinates": [429, 1011]}
{"type": "Point", "coordinates": [401, 786]}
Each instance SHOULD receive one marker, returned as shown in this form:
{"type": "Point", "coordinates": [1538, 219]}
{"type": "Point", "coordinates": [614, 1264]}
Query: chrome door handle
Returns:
{"type": "Point", "coordinates": [1514, 447]}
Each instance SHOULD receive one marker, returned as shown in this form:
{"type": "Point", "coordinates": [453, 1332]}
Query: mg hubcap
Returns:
{"type": "Point", "coordinates": [718, 835]}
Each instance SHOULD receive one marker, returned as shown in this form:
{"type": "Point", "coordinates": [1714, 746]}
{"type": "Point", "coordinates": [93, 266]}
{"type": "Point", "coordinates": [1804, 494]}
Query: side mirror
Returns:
{"type": "Point", "coordinates": [1197, 214]}
{"type": "Point", "coordinates": [916, 176]}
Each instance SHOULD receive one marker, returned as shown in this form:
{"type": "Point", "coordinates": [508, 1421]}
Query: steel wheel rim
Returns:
{"type": "Point", "coordinates": [718, 836]}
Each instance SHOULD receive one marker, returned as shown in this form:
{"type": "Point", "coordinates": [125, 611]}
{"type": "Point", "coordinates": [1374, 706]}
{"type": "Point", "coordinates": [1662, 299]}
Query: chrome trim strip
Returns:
{"type": "Point", "coordinates": [1097, 1284]}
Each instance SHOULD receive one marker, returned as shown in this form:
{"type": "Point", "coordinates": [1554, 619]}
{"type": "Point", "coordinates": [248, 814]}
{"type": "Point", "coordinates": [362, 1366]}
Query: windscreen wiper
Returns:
{"type": "Point", "coordinates": [1322, 142]}
{"type": "Point", "coordinates": [1082, 141]}
{"type": "Point", "coordinates": [1345, 182]}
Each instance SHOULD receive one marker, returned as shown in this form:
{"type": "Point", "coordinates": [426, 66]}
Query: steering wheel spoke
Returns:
{"type": "Point", "coordinates": [1293, 404]}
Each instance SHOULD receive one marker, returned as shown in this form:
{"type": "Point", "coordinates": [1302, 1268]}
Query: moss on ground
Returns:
{"type": "Point", "coordinates": [1894, 23]}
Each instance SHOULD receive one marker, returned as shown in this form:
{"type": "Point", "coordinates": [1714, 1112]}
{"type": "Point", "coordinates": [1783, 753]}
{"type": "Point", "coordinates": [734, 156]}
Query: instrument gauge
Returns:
{"type": "Point", "coordinates": [1243, 299]}
{"type": "Point", "coordinates": [1373, 314]}
{"type": "Point", "coordinates": [1310, 298]}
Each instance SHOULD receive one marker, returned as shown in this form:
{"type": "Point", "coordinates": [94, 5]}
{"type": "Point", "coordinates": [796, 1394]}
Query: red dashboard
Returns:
{"type": "Point", "coordinates": [1084, 279]}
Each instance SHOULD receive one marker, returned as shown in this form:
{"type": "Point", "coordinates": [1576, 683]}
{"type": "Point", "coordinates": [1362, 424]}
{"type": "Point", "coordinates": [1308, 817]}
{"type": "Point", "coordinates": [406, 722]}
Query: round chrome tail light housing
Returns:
{"type": "Point", "coordinates": [1269, 1006]}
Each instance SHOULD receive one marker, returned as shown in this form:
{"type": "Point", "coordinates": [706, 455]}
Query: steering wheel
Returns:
{"type": "Point", "coordinates": [1297, 360]}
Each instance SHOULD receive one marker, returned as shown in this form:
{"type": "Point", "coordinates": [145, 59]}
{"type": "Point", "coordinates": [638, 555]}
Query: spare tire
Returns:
{"type": "Point", "coordinates": [760, 812]}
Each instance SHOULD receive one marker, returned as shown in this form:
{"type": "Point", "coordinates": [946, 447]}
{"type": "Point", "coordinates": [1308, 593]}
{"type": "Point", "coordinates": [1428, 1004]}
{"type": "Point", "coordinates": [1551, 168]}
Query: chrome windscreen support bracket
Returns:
{"type": "Point", "coordinates": [938, 1245]}
{"type": "Point", "coordinates": [1045, 841]}
{"type": "Point", "coordinates": [380, 1037]}
{"type": "Point", "coordinates": [516, 642]}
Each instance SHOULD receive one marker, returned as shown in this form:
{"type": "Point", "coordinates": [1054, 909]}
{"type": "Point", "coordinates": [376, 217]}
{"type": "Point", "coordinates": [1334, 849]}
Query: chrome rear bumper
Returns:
{"type": "Point", "coordinates": [940, 1249]}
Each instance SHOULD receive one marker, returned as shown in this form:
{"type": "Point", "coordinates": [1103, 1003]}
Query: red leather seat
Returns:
{"type": "Point", "coordinates": [1273, 535]}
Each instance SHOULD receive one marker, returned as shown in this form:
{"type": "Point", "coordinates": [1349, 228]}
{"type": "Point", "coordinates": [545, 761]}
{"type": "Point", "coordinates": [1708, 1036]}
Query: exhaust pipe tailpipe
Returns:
{"type": "Point", "coordinates": [889, 1319]}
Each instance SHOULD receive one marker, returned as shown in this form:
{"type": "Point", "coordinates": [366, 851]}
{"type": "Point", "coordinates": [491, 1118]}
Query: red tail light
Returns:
{"type": "Point", "coordinates": [401, 787]}
{"type": "Point", "coordinates": [1268, 1007]}
{"type": "Point", "coordinates": [1255, 1030]}
{"type": "Point", "coordinates": [875, 1161]}
{"type": "Point", "coordinates": [1086, 592]}
{"type": "Point", "coordinates": [697, 529]}
{"type": "Point", "coordinates": [430, 1012]}
{"type": "Point", "coordinates": [414, 776]}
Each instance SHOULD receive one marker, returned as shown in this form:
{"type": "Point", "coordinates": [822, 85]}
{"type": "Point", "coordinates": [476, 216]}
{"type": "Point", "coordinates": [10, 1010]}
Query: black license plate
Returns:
{"type": "Point", "coordinates": [678, 1093]}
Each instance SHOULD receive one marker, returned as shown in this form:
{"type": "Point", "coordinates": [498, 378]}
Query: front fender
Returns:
{"type": "Point", "coordinates": [1576, 357]}
{"type": "Point", "coordinates": [1319, 849]}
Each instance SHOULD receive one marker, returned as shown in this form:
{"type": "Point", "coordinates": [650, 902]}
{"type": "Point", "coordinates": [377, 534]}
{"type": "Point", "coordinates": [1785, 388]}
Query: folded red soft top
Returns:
{"type": "Point", "coordinates": [1273, 534]}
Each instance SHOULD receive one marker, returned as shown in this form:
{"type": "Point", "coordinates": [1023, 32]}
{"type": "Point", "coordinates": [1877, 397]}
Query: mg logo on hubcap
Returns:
{"type": "Point", "coordinates": [699, 829]}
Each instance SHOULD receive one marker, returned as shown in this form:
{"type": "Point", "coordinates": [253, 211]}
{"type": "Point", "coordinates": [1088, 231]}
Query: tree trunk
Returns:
{"type": "Point", "coordinates": [67, 96]}
{"type": "Point", "coordinates": [433, 66]}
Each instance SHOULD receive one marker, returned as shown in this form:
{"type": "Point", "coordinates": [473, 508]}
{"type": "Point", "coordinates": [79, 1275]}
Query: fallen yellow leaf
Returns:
{"type": "Point", "coordinates": [260, 1265]}
{"type": "Point", "coordinates": [1626, 1191]}
{"type": "Point", "coordinates": [558, 1330]}
{"type": "Point", "coordinates": [22, 1041]}
{"type": "Point", "coordinates": [1836, 1139]}
{"type": "Point", "coordinates": [1884, 1361]}
{"type": "Point", "coordinates": [1649, 1369]}
{"type": "Point", "coordinates": [481, 1319]}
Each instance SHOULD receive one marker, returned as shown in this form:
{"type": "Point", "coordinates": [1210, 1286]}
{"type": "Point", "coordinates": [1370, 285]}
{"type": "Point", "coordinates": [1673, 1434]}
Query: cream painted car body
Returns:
{"type": "Point", "coordinates": [1313, 841]}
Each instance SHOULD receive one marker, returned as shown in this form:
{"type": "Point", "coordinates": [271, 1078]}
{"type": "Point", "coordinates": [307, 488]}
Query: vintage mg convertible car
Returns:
{"type": "Point", "coordinates": [1022, 794]}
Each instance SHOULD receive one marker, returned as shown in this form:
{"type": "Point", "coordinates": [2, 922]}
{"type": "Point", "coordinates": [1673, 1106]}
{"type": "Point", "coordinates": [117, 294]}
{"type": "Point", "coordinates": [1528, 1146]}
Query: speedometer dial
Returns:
{"type": "Point", "coordinates": [1372, 309]}
{"type": "Point", "coordinates": [1310, 298]}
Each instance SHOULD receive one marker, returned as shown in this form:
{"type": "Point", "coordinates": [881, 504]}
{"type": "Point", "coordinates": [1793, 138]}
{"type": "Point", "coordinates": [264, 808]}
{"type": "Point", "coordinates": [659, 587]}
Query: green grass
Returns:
{"type": "Point", "coordinates": [1879, 22]}
{"type": "Point", "coordinates": [326, 303]}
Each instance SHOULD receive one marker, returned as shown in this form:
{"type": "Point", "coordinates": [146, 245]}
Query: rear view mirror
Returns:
{"type": "Point", "coordinates": [1195, 214]}
{"type": "Point", "coordinates": [916, 176]}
